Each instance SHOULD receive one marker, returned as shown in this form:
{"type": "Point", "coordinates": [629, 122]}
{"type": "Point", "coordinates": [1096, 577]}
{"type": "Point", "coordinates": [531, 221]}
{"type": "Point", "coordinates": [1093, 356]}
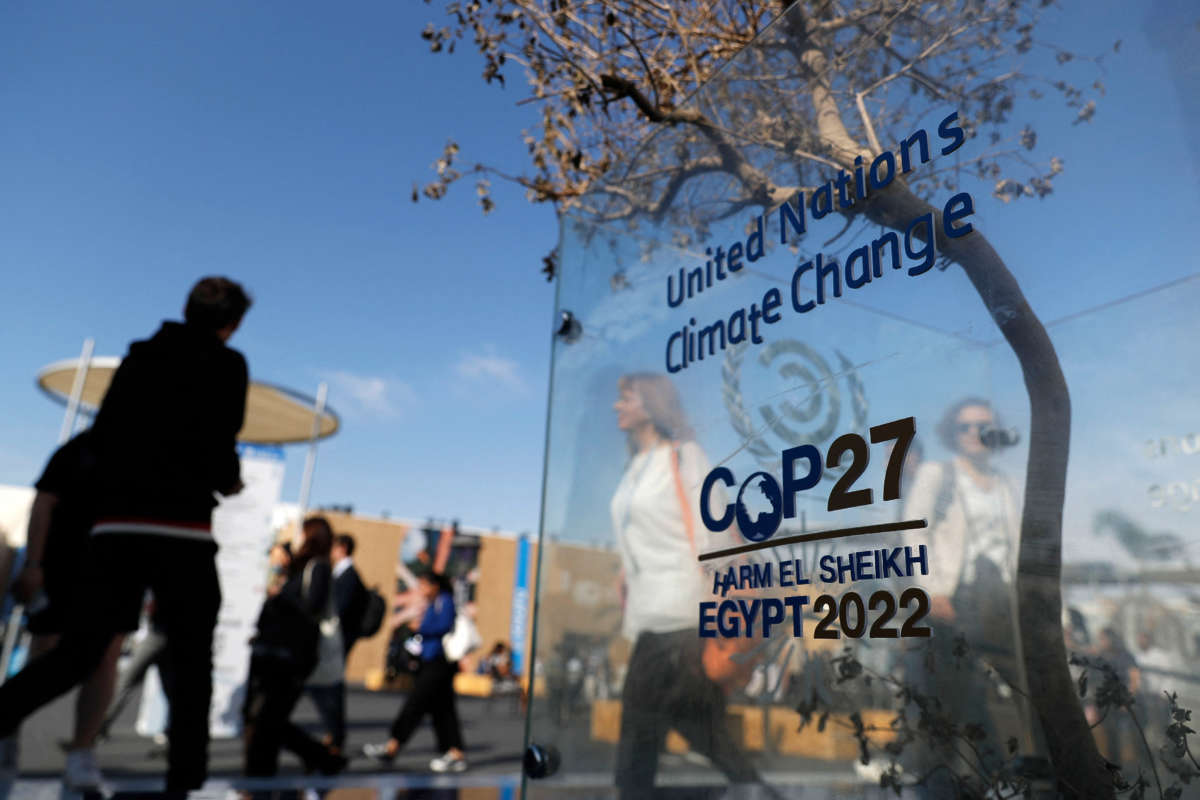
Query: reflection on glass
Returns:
{"type": "Point", "coordinates": [671, 682]}
{"type": "Point", "coordinates": [974, 530]}
{"type": "Point", "coordinates": [1063, 606]}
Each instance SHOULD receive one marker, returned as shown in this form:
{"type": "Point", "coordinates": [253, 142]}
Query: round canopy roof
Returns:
{"type": "Point", "coordinates": [274, 415]}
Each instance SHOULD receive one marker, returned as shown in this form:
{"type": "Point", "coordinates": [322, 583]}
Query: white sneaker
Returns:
{"type": "Point", "coordinates": [379, 752]}
{"type": "Point", "coordinates": [82, 774]}
{"type": "Point", "coordinates": [448, 763]}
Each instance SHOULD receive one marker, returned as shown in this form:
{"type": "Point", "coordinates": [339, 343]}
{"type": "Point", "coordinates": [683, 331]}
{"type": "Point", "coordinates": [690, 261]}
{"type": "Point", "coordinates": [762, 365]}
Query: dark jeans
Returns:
{"type": "Point", "coordinates": [272, 690]}
{"type": "Point", "coordinates": [960, 689]}
{"type": "Point", "coordinates": [331, 706]}
{"type": "Point", "coordinates": [182, 574]}
{"type": "Point", "coordinates": [666, 689]}
{"type": "Point", "coordinates": [432, 693]}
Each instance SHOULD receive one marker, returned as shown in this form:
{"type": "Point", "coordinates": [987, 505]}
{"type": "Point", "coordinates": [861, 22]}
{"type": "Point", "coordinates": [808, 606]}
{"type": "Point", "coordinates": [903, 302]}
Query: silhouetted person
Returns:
{"type": "Point", "coordinates": [284, 652]}
{"type": "Point", "coordinates": [52, 584]}
{"type": "Point", "coordinates": [165, 439]}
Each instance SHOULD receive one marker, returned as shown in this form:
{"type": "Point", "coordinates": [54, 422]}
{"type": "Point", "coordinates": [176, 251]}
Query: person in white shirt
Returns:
{"type": "Point", "coordinates": [973, 538]}
{"type": "Point", "coordinates": [654, 513]}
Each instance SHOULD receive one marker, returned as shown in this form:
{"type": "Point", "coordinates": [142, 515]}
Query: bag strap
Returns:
{"type": "Point", "coordinates": [945, 494]}
{"type": "Point", "coordinates": [305, 580]}
{"type": "Point", "coordinates": [305, 585]}
{"type": "Point", "coordinates": [681, 495]}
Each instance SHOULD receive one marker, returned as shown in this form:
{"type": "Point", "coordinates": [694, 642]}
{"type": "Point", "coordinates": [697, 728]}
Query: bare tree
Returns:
{"type": "Point", "coordinates": [826, 83]}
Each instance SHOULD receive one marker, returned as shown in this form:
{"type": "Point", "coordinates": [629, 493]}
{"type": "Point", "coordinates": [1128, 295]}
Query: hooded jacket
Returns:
{"type": "Point", "coordinates": [166, 433]}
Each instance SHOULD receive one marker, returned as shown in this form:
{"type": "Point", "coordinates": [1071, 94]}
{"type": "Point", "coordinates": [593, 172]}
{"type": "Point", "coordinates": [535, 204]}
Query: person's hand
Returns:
{"type": "Point", "coordinates": [28, 583]}
{"type": "Point", "coordinates": [941, 608]}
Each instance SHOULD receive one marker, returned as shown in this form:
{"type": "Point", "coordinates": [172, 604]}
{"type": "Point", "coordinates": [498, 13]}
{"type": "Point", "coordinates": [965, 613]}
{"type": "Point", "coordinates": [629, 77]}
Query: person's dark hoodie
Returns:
{"type": "Point", "coordinates": [165, 435]}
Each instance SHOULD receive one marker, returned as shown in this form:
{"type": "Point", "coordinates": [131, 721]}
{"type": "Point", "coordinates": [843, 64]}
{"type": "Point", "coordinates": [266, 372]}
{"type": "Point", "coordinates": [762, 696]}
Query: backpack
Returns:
{"type": "Point", "coordinates": [373, 611]}
{"type": "Point", "coordinates": [286, 630]}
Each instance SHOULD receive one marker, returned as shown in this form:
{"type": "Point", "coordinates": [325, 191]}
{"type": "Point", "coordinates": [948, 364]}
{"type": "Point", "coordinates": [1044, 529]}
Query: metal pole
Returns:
{"type": "Point", "coordinates": [81, 371]}
{"type": "Point", "coordinates": [310, 460]}
{"type": "Point", "coordinates": [11, 631]}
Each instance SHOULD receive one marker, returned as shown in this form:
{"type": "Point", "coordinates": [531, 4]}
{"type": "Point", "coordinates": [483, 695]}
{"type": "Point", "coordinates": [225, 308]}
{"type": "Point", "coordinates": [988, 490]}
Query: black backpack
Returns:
{"type": "Point", "coordinates": [373, 611]}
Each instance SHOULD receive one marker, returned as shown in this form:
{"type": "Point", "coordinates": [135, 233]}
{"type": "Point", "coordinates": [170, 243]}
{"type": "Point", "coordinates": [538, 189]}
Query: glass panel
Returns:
{"type": "Point", "coordinates": [834, 510]}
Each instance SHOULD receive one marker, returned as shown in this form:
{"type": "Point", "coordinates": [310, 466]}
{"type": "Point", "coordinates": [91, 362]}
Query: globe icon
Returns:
{"type": "Point", "coordinates": [757, 523]}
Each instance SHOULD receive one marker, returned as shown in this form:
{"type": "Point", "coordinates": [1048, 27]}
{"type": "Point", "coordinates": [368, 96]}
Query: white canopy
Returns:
{"type": "Point", "coordinates": [274, 415]}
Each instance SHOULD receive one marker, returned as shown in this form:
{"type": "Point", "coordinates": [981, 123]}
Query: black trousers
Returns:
{"type": "Point", "coordinates": [272, 691]}
{"type": "Point", "coordinates": [666, 689]}
{"type": "Point", "coordinates": [182, 574]}
{"type": "Point", "coordinates": [331, 706]}
{"type": "Point", "coordinates": [433, 694]}
{"type": "Point", "coordinates": [957, 684]}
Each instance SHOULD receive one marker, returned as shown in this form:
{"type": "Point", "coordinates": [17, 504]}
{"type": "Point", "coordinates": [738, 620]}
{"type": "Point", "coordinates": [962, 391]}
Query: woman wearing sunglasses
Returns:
{"type": "Point", "coordinates": [973, 537]}
{"type": "Point", "coordinates": [973, 520]}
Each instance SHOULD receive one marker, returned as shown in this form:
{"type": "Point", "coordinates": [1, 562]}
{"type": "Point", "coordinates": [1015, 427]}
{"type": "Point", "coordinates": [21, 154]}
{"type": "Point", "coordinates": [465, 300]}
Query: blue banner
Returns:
{"type": "Point", "coordinates": [520, 606]}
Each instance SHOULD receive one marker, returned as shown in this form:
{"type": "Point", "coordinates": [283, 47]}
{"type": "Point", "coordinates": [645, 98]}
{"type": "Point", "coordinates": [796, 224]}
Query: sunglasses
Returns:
{"type": "Point", "coordinates": [967, 427]}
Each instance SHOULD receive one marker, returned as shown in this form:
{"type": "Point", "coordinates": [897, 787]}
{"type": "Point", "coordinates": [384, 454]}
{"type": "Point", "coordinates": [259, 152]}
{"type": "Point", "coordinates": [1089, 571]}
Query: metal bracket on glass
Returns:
{"type": "Point", "coordinates": [569, 328]}
{"type": "Point", "coordinates": [541, 761]}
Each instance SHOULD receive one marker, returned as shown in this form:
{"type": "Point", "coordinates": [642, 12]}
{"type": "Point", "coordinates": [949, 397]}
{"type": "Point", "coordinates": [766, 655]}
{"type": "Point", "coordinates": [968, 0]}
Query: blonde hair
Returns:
{"type": "Point", "coordinates": [660, 400]}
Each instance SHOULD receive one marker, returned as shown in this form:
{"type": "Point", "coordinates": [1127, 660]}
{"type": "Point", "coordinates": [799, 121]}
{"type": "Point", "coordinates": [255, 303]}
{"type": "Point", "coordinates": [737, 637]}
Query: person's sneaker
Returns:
{"type": "Point", "coordinates": [379, 752]}
{"type": "Point", "coordinates": [82, 774]}
{"type": "Point", "coordinates": [448, 763]}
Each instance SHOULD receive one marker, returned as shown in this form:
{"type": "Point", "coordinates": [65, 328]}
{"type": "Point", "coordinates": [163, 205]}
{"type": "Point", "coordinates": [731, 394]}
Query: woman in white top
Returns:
{"type": "Point", "coordinates": [657, 535]}
{"type": "Point", "coordinates": [974, 528]}
{"type": "Point", "coordinates": [973, 539]}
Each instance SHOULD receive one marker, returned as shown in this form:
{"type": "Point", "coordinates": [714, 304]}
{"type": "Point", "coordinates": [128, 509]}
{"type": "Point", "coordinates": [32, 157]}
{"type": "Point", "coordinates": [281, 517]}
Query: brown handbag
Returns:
{"type": "Point", "coordinates": [726, 662]}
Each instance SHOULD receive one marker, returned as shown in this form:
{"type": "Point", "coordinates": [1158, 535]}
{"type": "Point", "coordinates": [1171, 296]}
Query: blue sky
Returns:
{"type": "Point", "coordinates": [1109, 232]}
{"type": "Point", "coordinates": [145, 145]}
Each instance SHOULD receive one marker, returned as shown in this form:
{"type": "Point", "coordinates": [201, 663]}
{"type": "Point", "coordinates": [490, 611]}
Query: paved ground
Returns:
{"type": "Point", "coordinates": [495, 742]}
{"type": "Point", "coordinates": [494, 733]}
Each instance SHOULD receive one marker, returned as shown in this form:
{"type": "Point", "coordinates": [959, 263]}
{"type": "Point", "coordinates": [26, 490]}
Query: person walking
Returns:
{"type": "Point", "coordinates": [974, 528]}
{"type": "Point", "coordinates": [166, 440]}
{"type": "Point", "coordinates": [328, 691]}
{"type": "Point", "coordinates": [668, 684]}
{"type": "Point", "coordinates": [284, 652]}
{"type": "Point", "coordinates": [52, 583]}
{"type": "Point", "coordinates": [433, 687]}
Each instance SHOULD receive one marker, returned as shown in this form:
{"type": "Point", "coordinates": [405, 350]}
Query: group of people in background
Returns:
{"type": "Point", "coordinates": [312, 616]}
{"type": "Point", "coordinates": [315, 611]}
{"type": "Point", "coordinates": [1148, 670]}
{"type": "Point", "coordinates": [121, 524]}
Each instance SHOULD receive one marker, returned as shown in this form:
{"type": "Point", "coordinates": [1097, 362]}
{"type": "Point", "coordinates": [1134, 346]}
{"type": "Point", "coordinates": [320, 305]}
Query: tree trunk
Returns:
{"type": "Point", "coordinates": [1078, 764]}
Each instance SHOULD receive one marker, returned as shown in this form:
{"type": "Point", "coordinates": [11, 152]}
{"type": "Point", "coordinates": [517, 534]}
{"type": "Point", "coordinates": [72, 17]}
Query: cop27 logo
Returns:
{"type": "Point", "coordinates": [759, 524]}
{"type": "Point", "coordinates": [817, 402]}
